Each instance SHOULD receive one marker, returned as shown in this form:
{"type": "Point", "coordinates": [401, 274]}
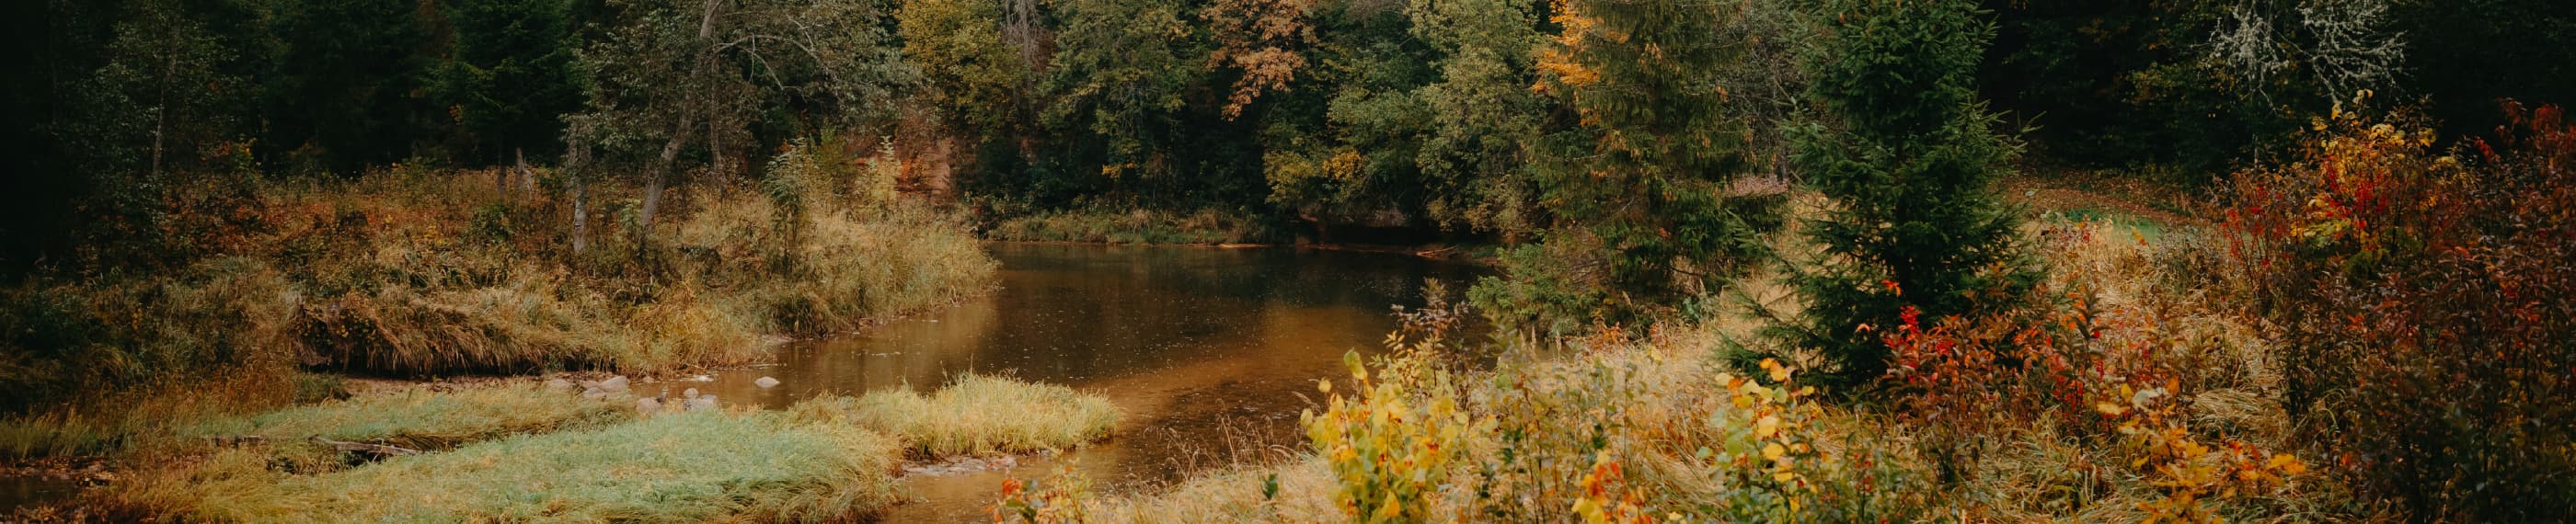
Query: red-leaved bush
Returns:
{"type": "Point", "coordinates": [2429, 338]}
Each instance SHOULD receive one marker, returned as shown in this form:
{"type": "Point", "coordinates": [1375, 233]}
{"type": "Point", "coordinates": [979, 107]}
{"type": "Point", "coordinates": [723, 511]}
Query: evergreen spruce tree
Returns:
{"type": "Point", "coordinates": [510, 76]}
{"type": "Point", "coordinates": [1908, 157]}
{"type": "Point", "coordinates": [1639, 184]}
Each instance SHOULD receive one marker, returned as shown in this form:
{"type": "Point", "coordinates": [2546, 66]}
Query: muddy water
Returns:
{"type": "Point", "coordinates": [17, 490]}
{"type": "Point", "coordinates": [1210, 352]}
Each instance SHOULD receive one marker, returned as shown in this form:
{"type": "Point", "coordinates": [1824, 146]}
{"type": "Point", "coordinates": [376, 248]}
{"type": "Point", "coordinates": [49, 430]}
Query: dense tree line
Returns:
{"type": "Point", "coordinates": [1524, 121]}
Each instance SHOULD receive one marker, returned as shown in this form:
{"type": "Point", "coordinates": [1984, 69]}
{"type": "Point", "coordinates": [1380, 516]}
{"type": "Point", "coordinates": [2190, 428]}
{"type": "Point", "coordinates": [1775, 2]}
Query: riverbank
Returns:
{"type": "Point", "coordinates": [1693, 425]}
{"type": "Point", "coordinates": [1217, 229]}
{"type": "Point", "coordinates": [263, 294]}
{"type": "Point", "coordinates": [1140, 226]}
{"type": "Point", "coordinates": [599, 449]}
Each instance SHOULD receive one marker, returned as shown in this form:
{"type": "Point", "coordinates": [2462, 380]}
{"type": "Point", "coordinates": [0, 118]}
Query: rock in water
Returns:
{"type": "Point", "coordinates": [558, 385]}
{"type": "Point", "coordinates": [593, 394]}
{"type": "Point", "coordinates": [616, 384]}
{"type": "Point", "coordinates": [702, 403]}
{"type": "Point", "coordinates": [691, 393]}
{"type": "Point", "coordinates": [648, 405]}
{"type": "Point", "coordinates": [766, 382]}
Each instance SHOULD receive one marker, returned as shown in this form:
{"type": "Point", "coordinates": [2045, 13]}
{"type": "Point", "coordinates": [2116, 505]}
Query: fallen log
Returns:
{"type": "Point", "coordinates": [236, 440]}
{"type": "Point", "coordinates": [379, 450]}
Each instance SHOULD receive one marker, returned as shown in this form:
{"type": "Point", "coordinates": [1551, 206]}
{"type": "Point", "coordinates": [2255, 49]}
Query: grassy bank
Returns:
{"type": "Point", "coordinates": [424, 272]}
{"type": "Point", "coordinates": [1139, 226]}
{"type": "Point", "coordinates": [680, 467]}
{"type": "Point", "coordinates": [515, 450]}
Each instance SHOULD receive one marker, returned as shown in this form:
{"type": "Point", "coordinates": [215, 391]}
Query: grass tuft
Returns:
{"type": "Point", "coordinates": [977, 414]}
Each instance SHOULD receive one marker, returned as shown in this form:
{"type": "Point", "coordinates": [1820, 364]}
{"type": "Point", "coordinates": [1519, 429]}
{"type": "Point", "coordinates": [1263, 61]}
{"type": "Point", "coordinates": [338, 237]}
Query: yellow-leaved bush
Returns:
{"type": "Point", "coordinates": [1392, 445]}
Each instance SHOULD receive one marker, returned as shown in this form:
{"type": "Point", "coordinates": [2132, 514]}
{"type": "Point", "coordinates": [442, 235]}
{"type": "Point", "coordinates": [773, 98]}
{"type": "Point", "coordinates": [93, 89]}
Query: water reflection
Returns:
{"type": "Point", "coordinates": [1194, 343]}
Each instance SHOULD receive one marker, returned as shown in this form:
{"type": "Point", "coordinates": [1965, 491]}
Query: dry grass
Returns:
{"type": "Point", "coordinates": [1304, 494]}
{"type": "Point", "coordinates": [690, 467]}
{"type": "Point", "coordinates": [838, 269]}
{"type": "Point", "coordinates": [977, 414]}
{"type": "Point", "coordinates": [414, 272]}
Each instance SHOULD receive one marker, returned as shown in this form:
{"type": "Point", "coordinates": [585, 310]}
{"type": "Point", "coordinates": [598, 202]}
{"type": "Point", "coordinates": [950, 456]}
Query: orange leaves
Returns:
{"type": "Point", "coordinates": [2191, 473]}
{"type": "Point", "coordinates": [1560, 60]}
{"type": "Point", "coordinates": [1605, 480]}
{"type": "Point", "coordinates": [1258, 36]}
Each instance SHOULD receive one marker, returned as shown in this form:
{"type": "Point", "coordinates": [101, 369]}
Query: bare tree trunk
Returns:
{"type": "Point", "coordinates": [654, 181]}
{"type": "Point", "coordinates": [716, 158]}
{"type": "Point", "coordinates": [576, 165]}
{"type": "Point", "coordinates": [501, 181]}
{"type": "Point", "coordinates": [1020, 27]}
{"type": "Point", "coordinates": [580, 215]}
{"type": "Point", "coordinates": [161, 114]}
{"type": "Point", "coordinates": [527, 175]}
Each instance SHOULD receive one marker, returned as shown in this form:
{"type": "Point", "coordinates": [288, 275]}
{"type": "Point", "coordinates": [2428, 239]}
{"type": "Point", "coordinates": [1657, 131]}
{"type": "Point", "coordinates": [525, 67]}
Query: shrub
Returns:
{"type": "Point", "coordinates": [1393, 444]}
{"type": "Point", "coordinates": [87, 340]}
{"type": "Point", "coordinates": [2423, 302]}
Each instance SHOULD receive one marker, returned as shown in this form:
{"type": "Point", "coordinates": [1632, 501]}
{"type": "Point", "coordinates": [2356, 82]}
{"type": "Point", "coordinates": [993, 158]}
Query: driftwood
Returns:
{"type": "Point", "coordinates": [379, 450]}
{"type": "Point", "coordinates": [236, 440]}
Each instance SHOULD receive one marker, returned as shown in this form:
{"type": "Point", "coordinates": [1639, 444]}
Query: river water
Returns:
{"type": "Point", "coordinates": [1211, 353]}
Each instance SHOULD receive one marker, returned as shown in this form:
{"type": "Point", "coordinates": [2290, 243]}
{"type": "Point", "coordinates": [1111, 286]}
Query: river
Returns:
{"type": "Point", "coordinates": [1211, 353]}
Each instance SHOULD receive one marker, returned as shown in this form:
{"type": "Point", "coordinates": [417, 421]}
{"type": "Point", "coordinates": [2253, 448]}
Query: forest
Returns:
{"type": "Point", "coordinates": [1725, 260]}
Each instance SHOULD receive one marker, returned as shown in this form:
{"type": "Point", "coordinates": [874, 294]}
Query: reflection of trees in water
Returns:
{"type": "Point", "coordinates": [1208, 350]}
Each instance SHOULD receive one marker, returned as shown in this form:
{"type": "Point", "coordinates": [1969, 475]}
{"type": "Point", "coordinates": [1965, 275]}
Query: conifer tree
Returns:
{"type": "Point", "coordinates": [1639, 184]}
{"type": "Point", "coordinates": [1908, 157]}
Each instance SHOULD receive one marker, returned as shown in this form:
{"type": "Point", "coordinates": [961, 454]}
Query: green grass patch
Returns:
{"type": "Point", "coordinates": [2147, 228]}
{"type": "Point", "coordinates": [977, 414]}
{"type": "Point", "coordinates": [691, 467]}
{"type": "Point", "coordinates": [420, 418]}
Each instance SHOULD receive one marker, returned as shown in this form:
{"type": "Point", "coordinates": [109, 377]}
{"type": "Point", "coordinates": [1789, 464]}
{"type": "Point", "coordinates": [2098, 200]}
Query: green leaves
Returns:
{"type": "Point", "coordinates": [1642, 179]}
{"type": "Point", "coordinates": [1908, 156]}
